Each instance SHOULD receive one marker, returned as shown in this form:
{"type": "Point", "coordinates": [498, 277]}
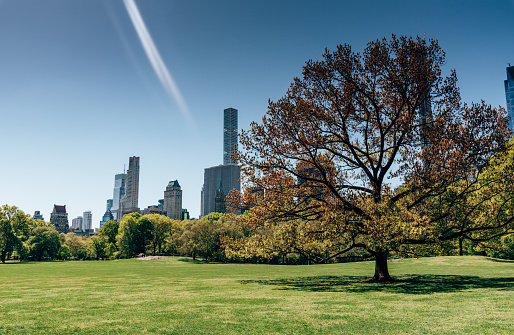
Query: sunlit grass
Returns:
{"type": "Point", "coordinates": [444, 295]}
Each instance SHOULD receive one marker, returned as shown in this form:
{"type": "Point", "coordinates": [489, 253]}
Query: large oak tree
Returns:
{"type": "Point", "coordinates": [373, 151]}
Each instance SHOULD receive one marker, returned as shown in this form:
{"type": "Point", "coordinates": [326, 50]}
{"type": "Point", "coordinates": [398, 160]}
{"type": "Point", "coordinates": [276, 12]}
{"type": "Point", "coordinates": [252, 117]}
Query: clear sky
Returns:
{"type": "Point", "coordinates": [86, 84]}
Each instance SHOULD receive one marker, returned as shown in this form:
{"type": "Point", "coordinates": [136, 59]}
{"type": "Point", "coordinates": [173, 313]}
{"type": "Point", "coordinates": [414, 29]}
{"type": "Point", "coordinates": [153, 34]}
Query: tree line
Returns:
{"type": "Point", "coordinates": [216, 237]}
{"type": "Point", "coordinates": [23, 238]}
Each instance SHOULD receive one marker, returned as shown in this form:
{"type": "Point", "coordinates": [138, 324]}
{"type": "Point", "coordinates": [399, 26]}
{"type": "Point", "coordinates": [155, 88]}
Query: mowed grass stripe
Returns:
{"type": "Point", "coordinates": [440, 295]}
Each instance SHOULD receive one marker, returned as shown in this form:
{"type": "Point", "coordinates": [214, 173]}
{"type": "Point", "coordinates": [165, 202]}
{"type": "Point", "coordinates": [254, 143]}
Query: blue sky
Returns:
{"type": "Point", "coordinates": [78, 94]}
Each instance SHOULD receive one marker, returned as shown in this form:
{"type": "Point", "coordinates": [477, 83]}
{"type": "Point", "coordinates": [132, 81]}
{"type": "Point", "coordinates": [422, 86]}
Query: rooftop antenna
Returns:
{"type": "Point", "coordinates": [123, 168]}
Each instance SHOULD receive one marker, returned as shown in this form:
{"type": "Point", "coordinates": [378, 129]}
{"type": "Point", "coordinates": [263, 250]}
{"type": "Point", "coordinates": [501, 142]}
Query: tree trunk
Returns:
{"type": "Point", "coordinates": [381, 270]}
{"type": "Point", "coordinates": [460, 246]}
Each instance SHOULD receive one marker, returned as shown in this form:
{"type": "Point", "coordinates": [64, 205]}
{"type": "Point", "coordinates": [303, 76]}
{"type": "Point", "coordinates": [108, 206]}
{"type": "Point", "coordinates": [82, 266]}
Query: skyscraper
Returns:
{"type": "Point", "coordinates": [76, 223]}
{"type": "Point", "coordinates": [119, 190]}
{"type": "Point", "coordinates": [108, 214]}
{"type": "Point", "coordinates": [509, 95]}
{"type": "Point", "coordinates": [219, 180]}
{"type": "Point", "coordinates": [229, 134]}
{"type": "Point", "coordinates": [219, 201]}
{"type": "Point", "coordinates": [129, 201]}
{"type": "Point", "coordinates": [173, 200]}
{"type": "Point", "coordinates": [87, 220]}
{"type": "Point", "coordinates": [185, 214]}
{"type": "Point", "coordinates": [59, 218]}
{"type": "Point", "coordinates": [223, 178]}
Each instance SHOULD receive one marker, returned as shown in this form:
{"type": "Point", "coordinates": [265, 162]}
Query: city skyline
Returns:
{"type": "Point", "coordinates": [110, 67]}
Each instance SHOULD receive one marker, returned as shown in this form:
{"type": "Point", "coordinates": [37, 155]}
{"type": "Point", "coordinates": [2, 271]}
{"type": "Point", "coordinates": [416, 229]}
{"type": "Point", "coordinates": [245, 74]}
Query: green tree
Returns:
{"type": "Point", "coordinates": [129, 235]}
{"type": "Point", "coordinates": [143, 235]}
{"type": "Point", "coordinates": [14, 230]}
{"type": "Point", "coordinates": [162, 227]}
{"type": "Point", "coordinates": [98, 245]}
{"type": "Point", "coordinates": [205, 237]}
{"type": "Point", "coordinates": [44, 243]}
{"type": "Point", "coordinates": [330, 154]}
{"type": "Point", "coordinates": [110, 230]}
{"type": "Point", "coordinates": [110, 249]}
{"type": "Point", "coordinates": [77, 245]}
{"type": "Point", "coordinates": [64, 252]}
{"type": "Point", "coordinates": [502, 247]}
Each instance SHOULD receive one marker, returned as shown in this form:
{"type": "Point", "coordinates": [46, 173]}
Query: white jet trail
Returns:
{"type": "Point", "coordinates": [155, 58]}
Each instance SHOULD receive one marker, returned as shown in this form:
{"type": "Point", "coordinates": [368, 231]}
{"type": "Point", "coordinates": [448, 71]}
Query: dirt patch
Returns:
{"type": "Point", "coordinates": [150, 258]}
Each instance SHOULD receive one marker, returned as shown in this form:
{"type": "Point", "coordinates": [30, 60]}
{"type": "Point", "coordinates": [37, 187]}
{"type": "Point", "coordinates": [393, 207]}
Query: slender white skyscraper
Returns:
{"type": "Point", "coordinates": [87, 220]}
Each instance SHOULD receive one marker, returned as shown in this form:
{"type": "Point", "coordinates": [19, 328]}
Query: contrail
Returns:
{"type": "Point", "coordinates": [155, 58]}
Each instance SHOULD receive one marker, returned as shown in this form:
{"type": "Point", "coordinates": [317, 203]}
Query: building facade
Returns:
{"type": "Point", "coordinates": [119, 190]}
{"type": "Point", "coordinates": [185, 214]}
{"type": "Point", "coordinates": [108, 216]}
{"type": "Point", "coordinates": [509, 95]}
{"type": "Point", "coordinates": [76, 223]}
{"type": "Point", "coordinates": [219, 201]}
{"type": "Point", "coordinates": [173, 200]}
{"type": "Point", "coordinates": [229, 134]}
{"type": "Point", "coordinates": [87, 221]}
{"type": "Point", "coordinates": [223, 178]}
{"type": "Point", "coordinates": [129, 200]}
{"type": "Point", "coordinates": [59, 218]}
{"type": "Point", "coordinates": [38, 216]}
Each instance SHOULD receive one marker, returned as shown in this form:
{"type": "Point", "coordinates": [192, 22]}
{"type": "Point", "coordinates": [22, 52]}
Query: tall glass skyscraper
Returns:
{"type": "Point", "coordinates": [229, 134]}
{"type": "Point", "coordinates": [509, 95]}
{"type": "Point", "coordinates": [119, 190]}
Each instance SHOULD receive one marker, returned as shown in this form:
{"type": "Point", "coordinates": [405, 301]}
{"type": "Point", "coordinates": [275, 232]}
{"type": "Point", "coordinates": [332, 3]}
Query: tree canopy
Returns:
{"type": "Point", "coordinates": [14, 230]}
{"type": "Point", "coordinates": [372, 151]}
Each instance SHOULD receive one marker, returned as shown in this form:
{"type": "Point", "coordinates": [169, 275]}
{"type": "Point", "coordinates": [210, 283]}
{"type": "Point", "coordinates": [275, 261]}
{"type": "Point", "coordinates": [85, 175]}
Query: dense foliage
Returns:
{"type": "Point", "coordinates": [373, 153]}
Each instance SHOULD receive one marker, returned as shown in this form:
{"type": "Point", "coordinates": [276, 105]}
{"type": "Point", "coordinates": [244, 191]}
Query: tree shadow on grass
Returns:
{"type": "Point", "coordinates": [501, 260]}
{"type": "Point", "coordinates": [190, 260]}
{"type": "Point", "coordinates": [409, 284]}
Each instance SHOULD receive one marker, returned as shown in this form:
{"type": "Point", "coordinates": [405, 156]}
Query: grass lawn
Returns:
{"type": "Point", "coordinates": [440, 295]}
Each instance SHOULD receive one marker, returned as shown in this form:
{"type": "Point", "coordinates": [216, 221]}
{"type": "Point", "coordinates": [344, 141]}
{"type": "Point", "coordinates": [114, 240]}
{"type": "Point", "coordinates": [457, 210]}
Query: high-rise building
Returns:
{"type": "Point", "coordinates": [38, 216]}
{"type": "Point", "coordinates": [229, 134]}
{"type": "Point", "coordinates": [108, 216]}
{"type": "Point", "coordinates": [59, 218]}
{"type": "Point", "coordinates": [220, 180]}
{"type": "Point", "coordinates": [119, 190]}
{"type": "Point", "coordinates": [87, 220]}
{"type": "Point", "coordinates": [173, 200]}
{"type": "Point", "coordinates": [109, 204]}
{"type": "Point", "coordinates": [129, 200]}
{"type": "Point", "coordinates": [219, 201]}
{"type": "Point", "coordinates": [509, 95]}
{"type": "Point", "coordinates": [185, 214]}
{"type": "Point", "coordinates": [202, 198]}
{"type": "Point", "coordinates": [223, 178]}
{"type": "Point", "coordinates": [76, 223]}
